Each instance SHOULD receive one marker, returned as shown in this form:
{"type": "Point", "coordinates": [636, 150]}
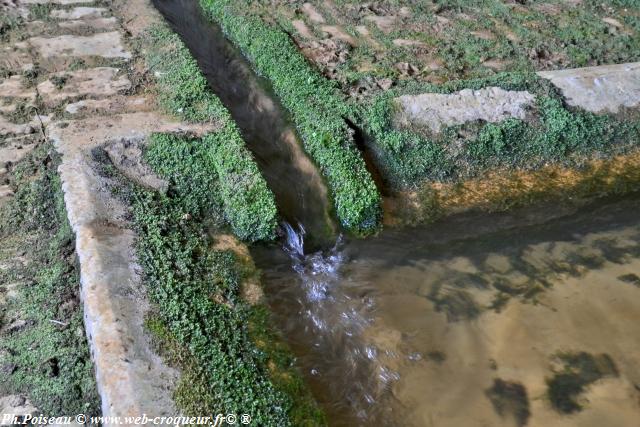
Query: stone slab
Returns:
{"type": "Point", "coordinates": [132, 380]}
{"type": "Point", "coordinates": [599, 89]}
{"type": "Point", "coordinates": [107, 45]}
{"type": "Point", "coordinates": [436, 111]}
{"type": "Point", "coordinates": [13, 88]}
{"type": "Point", "coordinates": [94, 24]}
{"type": "Point", "coordinates": [113, 105]}
{"type": "Point", "coordinates": [98, 82]}
{"type": "Point", "coordinates": [79, 13]}
{"type": "Point", "coordinates": [60, 2]}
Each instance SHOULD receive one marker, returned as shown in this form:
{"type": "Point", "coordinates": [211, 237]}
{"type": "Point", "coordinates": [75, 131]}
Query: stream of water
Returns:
{"type": "Point", "coordinates": [298, 187]}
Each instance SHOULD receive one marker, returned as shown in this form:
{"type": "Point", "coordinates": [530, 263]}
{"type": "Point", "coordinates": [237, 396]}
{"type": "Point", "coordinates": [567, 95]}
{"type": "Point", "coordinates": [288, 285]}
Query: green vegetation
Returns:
{"type": "Point", "coordinates": [229, 359]}
{"type": "Point", "coordinates": [580, 370]}
{"type": "Point", "coordinates": [554, 134]}
{"type": "Point", "coordinates": [197, 291]}
{"type": "Point", "coordinates": [217, 163]}
{"type": "Point", "coordinates": [316, 109]}
{"type": "Point", "coordinates": [630, 278]}
{"type": "Point", "coordinates": [41, 12]}
{"type": "Point", "coordinates": [8, 22]}
{"type": "Point", "coordinates": [43, 349]}
{"type": "Point", "coordinates": [510, 398]}
{"type": "Point", "coordinates": [465, 39]}
{"type": "Point", "coordinates": [182, 89]}
{"type": "Point", "coordinates": [248, 203]}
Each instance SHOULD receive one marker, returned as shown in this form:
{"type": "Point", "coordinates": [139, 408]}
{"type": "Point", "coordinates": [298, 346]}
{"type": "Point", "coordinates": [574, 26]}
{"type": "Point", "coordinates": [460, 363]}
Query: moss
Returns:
{"type": "Point", "coordinates": [557, 135]}
{"type": "Point", "coordinates": [201, 319]}
{"type": "Point", "coordinates": [215, 171]}
{"type": "Point", "coordinates": [504, 189]}
{"type": "Point", "coordinates": [316, 109]}
{"type": "Point", "coordinates": [44, 356]}
{"type": "Point", "coordinates": [248, 204]}
{"type": "Point", "coordinates": [182, 89]}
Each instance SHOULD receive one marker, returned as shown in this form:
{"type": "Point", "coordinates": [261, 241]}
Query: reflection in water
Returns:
{"type": "Point", "coordinates": [470, 321]}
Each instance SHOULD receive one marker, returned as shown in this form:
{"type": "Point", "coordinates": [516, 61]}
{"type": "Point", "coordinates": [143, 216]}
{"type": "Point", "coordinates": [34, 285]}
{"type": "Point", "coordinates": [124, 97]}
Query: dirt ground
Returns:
{"type": "Point", "coordinates": [382, 41]}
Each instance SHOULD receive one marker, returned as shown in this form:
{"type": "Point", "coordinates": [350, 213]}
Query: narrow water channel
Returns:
{"type": "Point", "coordinates": [298, 187]}
{"type": "Point", "coordinates": [463, 323]}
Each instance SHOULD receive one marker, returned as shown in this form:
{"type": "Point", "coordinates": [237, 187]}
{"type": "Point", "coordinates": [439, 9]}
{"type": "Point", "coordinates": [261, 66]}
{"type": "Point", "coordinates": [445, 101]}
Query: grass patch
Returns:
{"type": "Point", "coordinates": [316, 109]}
{"type": "Point", "coordinates": [217, 163]}
{"type": "Point", "coordinates": [249, 205]}
{"type": "Point", "coordinates": [40, 12]}
{"type": "Point", "coordinates": [43, 349]}
{"type": "Point", "coordinates": [557, 135]}
{"type": "Point", "coordinates": [462, 39]}
{"type": "Point", "coordinates": [182, 89]}
{"type": "Point", "coordinates": [200, 310]}
{"type": "Point", "coordinates": [580, 370]}
{"type": "Point", "coordinates": [8, 22]}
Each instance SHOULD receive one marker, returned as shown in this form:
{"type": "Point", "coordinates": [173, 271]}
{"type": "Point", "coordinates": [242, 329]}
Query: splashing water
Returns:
{"type": "Point", "coordinates": [337, 320]}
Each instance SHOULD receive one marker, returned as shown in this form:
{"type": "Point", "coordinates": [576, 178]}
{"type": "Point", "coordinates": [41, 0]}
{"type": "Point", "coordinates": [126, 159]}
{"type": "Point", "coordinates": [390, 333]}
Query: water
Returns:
{"type": "Point", "coordinates": [413, 327]}
{"type": "Point", "coordinates": [300, 193]}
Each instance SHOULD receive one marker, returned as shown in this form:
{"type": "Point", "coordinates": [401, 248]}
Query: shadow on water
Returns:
{"type": "Point", "coordinates": [336, 307]}
{"type": "Point", "coordinates": [300, 192]}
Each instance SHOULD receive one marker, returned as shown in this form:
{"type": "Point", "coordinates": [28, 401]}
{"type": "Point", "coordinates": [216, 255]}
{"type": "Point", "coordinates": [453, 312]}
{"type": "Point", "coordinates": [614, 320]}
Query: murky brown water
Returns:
{"type": "Point", "coordinates": [414, 327]}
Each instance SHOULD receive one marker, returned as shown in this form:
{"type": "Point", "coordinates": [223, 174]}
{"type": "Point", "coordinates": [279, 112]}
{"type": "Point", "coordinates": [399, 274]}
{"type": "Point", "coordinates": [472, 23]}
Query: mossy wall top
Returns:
{"type": "Point", "coordinates": [316, 109]}
{"type": "Point", "coordinates": [249, 205]}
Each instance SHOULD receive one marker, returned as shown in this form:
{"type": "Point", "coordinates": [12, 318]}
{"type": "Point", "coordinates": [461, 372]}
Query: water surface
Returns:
{"type": "Point", "coordinates": [415, 327]}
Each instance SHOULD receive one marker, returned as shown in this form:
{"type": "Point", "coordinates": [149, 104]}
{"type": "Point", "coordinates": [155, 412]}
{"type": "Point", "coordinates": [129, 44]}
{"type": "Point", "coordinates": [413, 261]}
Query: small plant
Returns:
{"type": "Point", "coordinates": [41, 12]}
{"type": "Point", "coordinates": [59, 81]}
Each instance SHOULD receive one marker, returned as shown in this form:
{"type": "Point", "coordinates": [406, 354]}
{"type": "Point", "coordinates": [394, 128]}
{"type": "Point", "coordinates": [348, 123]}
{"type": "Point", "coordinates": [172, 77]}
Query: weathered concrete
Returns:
{"type": "Point", "coordinates": [599, 89]}
{"type": "Point", "coordinates": [107, 45]}
{"type": "Point", "coordinates": [15, 149]}
{"type": "Point", "coordinates": [127, 156]}
{"type": "Point", "coordinates": [132, 380]}
{"type": "Point", "coordinates": [435, 111]}
{"type": "Point", "coordinates": [94, 24]}
{"type": "Point", "coordinates": [112, 105]}
{"type": "Point", "coordinates": [16, 129]}
{"type": "Point", "coordinates": [79, 13]}
{"type": "Point", "coordinates": [98, 82]}
{"type": "Point", "coordinates": [13, 87]}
